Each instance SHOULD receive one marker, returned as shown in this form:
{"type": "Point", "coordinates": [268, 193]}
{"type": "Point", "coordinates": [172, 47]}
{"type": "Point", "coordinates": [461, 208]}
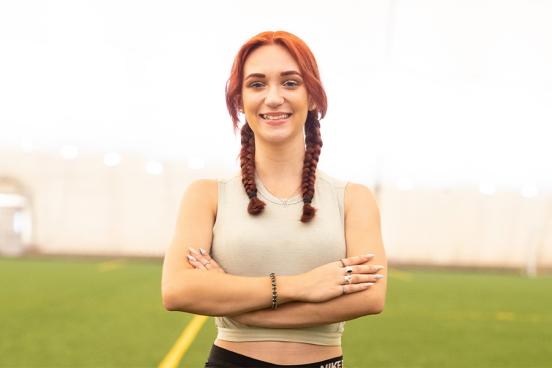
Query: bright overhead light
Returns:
{"type": "Point", "coordinates": [69, 152]}
{"type": "Point", "coordinates": [154, 168]}
{"type": "Point", "coordinates": [112, 159]}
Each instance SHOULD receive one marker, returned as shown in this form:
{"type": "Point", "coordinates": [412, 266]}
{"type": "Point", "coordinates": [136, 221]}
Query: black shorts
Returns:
{"type": "Point", "coordinates": [223, 358]}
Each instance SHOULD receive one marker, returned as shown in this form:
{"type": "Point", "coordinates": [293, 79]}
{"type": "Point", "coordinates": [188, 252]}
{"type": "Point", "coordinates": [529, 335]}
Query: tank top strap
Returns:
{"type": "Point", "coordinates": [338, 186]}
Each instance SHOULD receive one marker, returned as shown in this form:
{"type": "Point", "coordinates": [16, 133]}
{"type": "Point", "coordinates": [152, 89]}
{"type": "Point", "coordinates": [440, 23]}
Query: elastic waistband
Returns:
{"type": "Point", "coordinates": [310, 336]}
{"type": "Point", "coordinates": [223, 358]}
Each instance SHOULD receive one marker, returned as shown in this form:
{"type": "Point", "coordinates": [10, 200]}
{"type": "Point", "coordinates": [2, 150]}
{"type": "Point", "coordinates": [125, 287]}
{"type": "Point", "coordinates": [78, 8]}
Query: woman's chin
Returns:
{"type": "Point", "coordinates": [271, 135]}
{"type": "Point", "coordinates": [281, 137]}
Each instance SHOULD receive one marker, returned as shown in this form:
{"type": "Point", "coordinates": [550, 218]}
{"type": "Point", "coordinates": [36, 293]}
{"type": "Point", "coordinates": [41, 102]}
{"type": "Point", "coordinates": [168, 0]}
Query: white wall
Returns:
{"type": "Point", "coordinates": [81, 206]}
{"type": "Point", "coordinates": [461, 226]}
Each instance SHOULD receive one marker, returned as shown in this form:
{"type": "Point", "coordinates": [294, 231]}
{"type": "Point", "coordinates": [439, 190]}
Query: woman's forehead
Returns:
{"type": "Point", "coordinates": [270, 60]}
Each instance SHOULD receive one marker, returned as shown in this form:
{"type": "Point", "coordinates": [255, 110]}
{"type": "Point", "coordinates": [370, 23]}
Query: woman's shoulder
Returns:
{"type": "Point", "coordinates": [328, 179]}
{"type": "Point", "coordinates": [202, 186]}
{"type": "Point", "coordinates": [209, 188]}
{"type": "Point", "coordinates": [201, 193]}
{"type": "Point", "coordinates": [355, 189]}
{"type": "Point", "coordinates": [355, 194]}
{"type": "Point", "coordinates": [360, 197]}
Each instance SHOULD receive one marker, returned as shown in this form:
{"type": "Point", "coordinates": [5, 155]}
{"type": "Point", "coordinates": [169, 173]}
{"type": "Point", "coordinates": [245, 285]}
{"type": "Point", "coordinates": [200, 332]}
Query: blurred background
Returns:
{"type": "Point", "coordinates": [109, 109]}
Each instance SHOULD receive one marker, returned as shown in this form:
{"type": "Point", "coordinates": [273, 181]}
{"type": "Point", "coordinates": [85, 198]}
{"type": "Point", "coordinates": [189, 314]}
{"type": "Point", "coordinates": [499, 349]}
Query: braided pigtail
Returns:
{"type": "Point", "coordinates": [247, 163]}
{"type": "Point", "coordinates": [313, 142]}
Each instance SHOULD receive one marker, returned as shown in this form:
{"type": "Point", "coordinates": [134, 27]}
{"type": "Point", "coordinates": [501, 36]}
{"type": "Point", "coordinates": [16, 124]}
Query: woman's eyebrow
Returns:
{"type": "Point", "coordinates": [260, 75]}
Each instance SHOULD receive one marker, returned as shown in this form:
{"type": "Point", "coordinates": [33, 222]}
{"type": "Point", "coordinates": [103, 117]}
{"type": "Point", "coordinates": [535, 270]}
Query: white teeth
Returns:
{"type": "Point", "coordinates": [275, 117]}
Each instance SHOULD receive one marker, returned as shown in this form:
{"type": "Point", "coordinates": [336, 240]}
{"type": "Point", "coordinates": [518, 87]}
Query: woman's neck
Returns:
{"type": "Point", "coordinates": [280, 168]}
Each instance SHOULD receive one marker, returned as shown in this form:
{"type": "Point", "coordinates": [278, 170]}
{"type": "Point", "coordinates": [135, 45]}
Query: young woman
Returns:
{"type": "Point", "coordinates": [281, 253]}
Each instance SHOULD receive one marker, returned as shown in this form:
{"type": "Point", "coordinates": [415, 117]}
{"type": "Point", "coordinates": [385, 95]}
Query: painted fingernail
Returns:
{"type": "Point", "coordinates": [378, 276]}
{"type": "Point", "coordinates": [369, 255]}
{"type": "Point", "coordinates": [368, 283]}
{"type": "Point", "coordinates": [193, 250]}
{"type": "Point", "coordinates": [203, 252]}
{"type": "Point", "coordinates": [378, 267]}
{"type": "Point", "coordinates": [192, 258]}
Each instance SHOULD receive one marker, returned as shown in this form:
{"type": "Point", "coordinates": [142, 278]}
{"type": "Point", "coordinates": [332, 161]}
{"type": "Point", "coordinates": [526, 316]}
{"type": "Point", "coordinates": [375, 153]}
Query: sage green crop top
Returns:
{"type": "Point", "coordinates": [277, 241]}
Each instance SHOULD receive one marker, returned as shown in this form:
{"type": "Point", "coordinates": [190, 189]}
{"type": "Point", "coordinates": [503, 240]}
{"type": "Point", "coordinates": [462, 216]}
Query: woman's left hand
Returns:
{"type": "Point", "coordinates": [201, 260]}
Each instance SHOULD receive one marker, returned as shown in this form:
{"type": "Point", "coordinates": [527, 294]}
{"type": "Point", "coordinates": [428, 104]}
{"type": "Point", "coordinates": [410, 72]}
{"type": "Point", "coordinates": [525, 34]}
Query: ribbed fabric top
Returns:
{"type": "Point", "coordinates": [277, 241]}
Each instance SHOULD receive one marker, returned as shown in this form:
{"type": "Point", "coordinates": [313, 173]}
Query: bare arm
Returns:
{"type": "Point", "coordinates": [363, 235]}
{"type": "Point", "coordinates": [187, 289]}
{"type": "Point", "coordinates": [216, 294]}
{"type": "Point", "coordinates": [298, 314]}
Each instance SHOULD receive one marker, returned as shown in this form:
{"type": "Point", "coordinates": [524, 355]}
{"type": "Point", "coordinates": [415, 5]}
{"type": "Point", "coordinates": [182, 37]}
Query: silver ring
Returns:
{"type": "Point", "coordinates": [349, 269]}
{"type": "Point", "coordinates": [348, 278]}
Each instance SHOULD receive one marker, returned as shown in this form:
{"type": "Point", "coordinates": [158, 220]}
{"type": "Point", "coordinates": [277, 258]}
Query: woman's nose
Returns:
{"type": "Point", "coordinates": [274, 97]}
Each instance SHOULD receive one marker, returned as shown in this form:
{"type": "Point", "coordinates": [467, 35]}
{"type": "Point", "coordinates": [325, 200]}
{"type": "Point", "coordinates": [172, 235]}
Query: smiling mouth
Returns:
{"type": "Point", "coordinates": [275, 117]}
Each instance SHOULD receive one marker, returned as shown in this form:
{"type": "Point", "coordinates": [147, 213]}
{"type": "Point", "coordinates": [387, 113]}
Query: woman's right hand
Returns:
{"type": "Point", "coordinates": [328, 281]}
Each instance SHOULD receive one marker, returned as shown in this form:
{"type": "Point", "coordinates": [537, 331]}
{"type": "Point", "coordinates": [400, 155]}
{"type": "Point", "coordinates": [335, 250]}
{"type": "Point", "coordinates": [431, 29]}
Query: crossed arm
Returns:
{"type": "Point", "coordinates": [363, 235]}
{"type": "Point", "coordinates": [299, 314]}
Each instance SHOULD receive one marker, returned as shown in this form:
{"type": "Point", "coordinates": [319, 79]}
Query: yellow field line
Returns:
{"type": "Point", "coordinates": [400, 275]}
{"type": "Point", "coordinates": [110, 265]}
{"type": "Point", "coordinates": [174, 356]}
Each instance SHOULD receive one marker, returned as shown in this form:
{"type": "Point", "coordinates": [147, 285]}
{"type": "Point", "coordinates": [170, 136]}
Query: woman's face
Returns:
{"type": "Point", "coordinates": [274, 97]}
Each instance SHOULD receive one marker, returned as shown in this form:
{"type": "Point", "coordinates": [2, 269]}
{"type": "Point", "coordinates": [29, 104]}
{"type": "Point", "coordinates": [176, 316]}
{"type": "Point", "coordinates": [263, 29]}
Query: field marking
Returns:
{"type": "Point", "coordinates": [110, 265]}
{"type": "Point", "coordinates": [181, 346]}
{"type": "Point", "coordinates": [505, 316]}
{"type": "Point", "coordinates": [400, 275]}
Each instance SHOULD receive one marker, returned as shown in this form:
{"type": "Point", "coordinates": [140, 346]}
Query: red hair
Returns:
{"type": "Point", "coordinates": [311, 77]}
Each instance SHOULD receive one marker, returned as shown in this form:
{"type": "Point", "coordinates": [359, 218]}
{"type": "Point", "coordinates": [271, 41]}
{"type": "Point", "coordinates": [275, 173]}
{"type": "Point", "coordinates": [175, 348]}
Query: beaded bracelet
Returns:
{"type": "Point", "coordinates": [274, 293]}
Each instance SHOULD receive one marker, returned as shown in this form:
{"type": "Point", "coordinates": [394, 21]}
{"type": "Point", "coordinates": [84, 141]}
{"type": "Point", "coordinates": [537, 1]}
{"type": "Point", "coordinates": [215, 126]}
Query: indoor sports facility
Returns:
{"type": "Point", "coordinates": [110, 110]}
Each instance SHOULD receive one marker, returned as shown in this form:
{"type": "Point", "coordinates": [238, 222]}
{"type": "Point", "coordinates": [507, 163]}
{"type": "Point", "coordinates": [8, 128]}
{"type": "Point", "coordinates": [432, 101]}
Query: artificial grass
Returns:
{"type": "Point", "coordinates": [92, 313]}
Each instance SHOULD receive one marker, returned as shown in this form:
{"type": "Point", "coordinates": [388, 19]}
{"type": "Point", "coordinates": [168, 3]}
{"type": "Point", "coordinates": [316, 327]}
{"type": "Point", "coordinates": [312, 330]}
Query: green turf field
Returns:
{"type": "Point", "coordinates": [89, 313]}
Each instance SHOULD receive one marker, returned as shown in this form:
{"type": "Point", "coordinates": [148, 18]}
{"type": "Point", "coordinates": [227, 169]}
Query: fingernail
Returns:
{"type": "Point", "coordinates": [368, 283]}
{"type": "Point", "coordinates": [192, 258]}
{"type": "Point", "coordinates": [193, 250]}
{"type": "Point", "coordinates": [378, 267]}
{"type": "Point", "coordinates": [203, 252]}
{"type": "Point", "coordinates": [378, 276]}
{"type": "Point", "coordinates": [369, 254]}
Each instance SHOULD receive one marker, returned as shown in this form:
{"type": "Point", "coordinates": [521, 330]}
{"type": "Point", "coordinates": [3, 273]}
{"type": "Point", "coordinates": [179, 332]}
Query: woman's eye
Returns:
{"type": "Point", "coordinates": [291, 83]}
{"type": "Point", "coordinates": [288, 83]}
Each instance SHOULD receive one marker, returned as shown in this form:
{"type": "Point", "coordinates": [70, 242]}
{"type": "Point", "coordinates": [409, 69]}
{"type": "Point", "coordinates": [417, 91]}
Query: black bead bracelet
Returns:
{"type": "Point", "coordinates": [274, 293]}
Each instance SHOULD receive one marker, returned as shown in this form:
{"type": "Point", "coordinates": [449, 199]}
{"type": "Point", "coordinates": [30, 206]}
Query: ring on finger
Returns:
{"type": "Point", "coordinates": [348, 278]}
{"type": "Point", "coordinates": [349, 270]}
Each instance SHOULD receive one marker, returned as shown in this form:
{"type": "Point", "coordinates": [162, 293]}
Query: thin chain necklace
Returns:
{"type": "Point", "coordinates": [284, 200]}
